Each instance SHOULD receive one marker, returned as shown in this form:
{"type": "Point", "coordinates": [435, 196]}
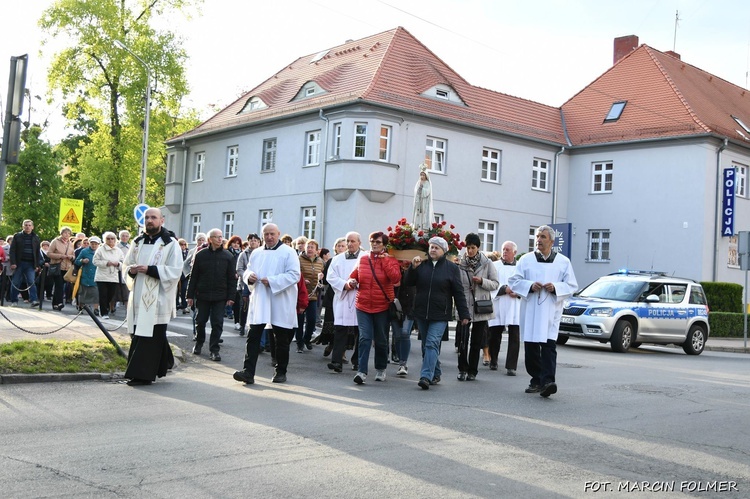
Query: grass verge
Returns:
{"type": "Point", "coordinates": [52, 356]}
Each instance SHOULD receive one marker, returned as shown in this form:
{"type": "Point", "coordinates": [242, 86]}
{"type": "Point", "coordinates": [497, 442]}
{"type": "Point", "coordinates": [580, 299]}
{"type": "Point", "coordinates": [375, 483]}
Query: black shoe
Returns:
{"type": "Point", "coordinates": [308, 345]}
{"type": "Point", "coordinates": [533, 389]}
{"type": "Point", "coordinates": [328, 350]}
{"type": "Point", "coordinates": [548, 389]}
{"type": "Point", "coordinates": [221, 340]}
{"type": "Point", "coordinates": [486, 363]}
{"type": "Point", "coordinates": [395, 359]}
{"type": "Point", "coordinates": [244, 377]}
{"type": "Point", "coordinates": [241, 333]}
{"type": "Point", "coordinates": [214, 356]}
{"type": "Point", "coordinates": [195, 337]}
{"type": "Point", "coordinates": [139, 382]}
{"type": "Point", "coordinates": [493, 367]}
{"type": "Point", "coordinates": [461, 376]}
{"type": "Point", "coordinates": [344, 361]}
{"type": "Point", "coordinates": [424, 383]}
{"type": "Point", "coordinates": [197, 348]}
{"type": "Point", "coordinates": [299, 350]}
{"type": "Point", "coordinates": [96, 311]}
{"type": "Point", "coordinates": [335, 367]}
{"type": "Point", "coordinates": [34, 304]}
{"type": "Point", "coordinates": [471, 377]}
{"type": "Point", "coordinates": [435, 380]}
{"type": "Point", "coordinates": [273, 362]}
{"type": "Point", "coordinates": [279, 378]}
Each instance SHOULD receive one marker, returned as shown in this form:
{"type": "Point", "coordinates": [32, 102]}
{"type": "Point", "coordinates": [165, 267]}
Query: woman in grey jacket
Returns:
{"type": "Point", "coordinates": [479, 279]}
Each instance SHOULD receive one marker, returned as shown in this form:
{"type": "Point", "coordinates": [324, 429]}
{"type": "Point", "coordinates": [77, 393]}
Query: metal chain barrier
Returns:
{"type": "Point", "coordinates": [38, 333]}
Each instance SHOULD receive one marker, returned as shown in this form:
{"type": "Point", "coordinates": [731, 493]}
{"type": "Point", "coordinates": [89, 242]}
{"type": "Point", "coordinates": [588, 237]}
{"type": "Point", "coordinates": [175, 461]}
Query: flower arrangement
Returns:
{"type": "Point", "coordinates": [405, 236]}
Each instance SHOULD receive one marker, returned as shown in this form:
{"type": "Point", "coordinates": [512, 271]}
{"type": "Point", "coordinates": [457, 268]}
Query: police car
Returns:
{"type": "Point", "coordinates": [628, 308]}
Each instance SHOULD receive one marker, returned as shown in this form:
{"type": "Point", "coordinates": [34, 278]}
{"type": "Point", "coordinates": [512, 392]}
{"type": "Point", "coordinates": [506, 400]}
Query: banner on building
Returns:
{"type": "Point", "coordinates": [727, 207]}
{"type": "Point", "coordinates": [562, 239]}
{"type": "Point", "coordinates": [71, 214]}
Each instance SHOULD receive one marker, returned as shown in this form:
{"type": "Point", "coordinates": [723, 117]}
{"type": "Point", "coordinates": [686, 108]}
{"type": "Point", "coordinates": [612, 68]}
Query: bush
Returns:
{"type": "Point", "coordinates": [726, 324]}
{"type": "Point", "coordinates": [723, 296]}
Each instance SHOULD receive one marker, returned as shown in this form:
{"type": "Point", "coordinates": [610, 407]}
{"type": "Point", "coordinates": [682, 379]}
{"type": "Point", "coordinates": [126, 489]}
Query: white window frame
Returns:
{"type": "Point", "coordinates": [740, 181]}
{"type": "Point", "coordinates": [532, 238]}
{"type": "Point", "coordinates": [268, 161]}
{"type": "Point", "coordinates": [233, 160]}
{"type": "Point", "coordinates": [435, 151]}
{"type": "Point", "coordinates": [228, 224]}
{"type": "Point", "coordinates": [602, 176]}
{"type": "Point", "coordinates": [384, 153]}
{"type": "Point", "coordinates": [487, 232]}
{"type": "Point", "coordinates": [171, 162]}
{"type": "Point", "coordinates": [599, 245]}
{"type": "Point", "coordinates": [336, 146]}
{"type": "Point", "coordinates": [539, 174]}
{"type": "Point", "coordinates": [438, 218]}
{"type": "Point", "coordinates": [360, 135]}
{"type": "Point", "coordinates": [309, 221]}
{"type": "Point", "coordinates": [265, 217]}
{"type": "Point", "coordinates": [195, 226]}
{"type": "Point", "coordinates": [491, 162]}
{"type": "Point", "coordinates": [200, 166]}
{"type": "Point", "coordinates": [312, 148]}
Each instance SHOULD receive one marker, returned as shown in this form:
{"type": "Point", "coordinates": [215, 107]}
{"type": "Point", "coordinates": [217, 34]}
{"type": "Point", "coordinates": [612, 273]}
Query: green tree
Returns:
{"type": "Point", "coordinates": [33, 188]}
{"type": "Point", "coordinates": [103, 84]}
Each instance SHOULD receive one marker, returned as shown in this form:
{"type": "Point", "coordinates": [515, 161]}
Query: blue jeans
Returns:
{"type": "Point", "coordinates": [432, 335]}
{"type": "Point", "coordinates": [373, 327]}
{"type": "Point", "coordinates": [306, 321]}
{"type": "Point", "coordinates": [402, 338]}
{"type": "Point", "coordinates": [24, 270]}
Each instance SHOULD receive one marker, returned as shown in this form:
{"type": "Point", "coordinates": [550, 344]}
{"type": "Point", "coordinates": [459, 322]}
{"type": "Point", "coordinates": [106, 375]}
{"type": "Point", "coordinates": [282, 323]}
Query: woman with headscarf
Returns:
{"type": "Point", "coordinates": [479, 279]}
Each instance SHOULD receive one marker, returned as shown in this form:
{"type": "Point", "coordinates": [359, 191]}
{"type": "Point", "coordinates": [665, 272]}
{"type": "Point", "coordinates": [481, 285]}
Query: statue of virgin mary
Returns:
{"type": "Point", "coordinates": [422, 216]}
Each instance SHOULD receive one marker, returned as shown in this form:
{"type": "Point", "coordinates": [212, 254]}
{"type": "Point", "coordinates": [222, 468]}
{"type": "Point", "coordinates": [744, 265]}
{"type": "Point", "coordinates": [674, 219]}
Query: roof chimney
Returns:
{"type": "Point", "coordinates": [673, 54]}
{"type": "Point", "coordinates": [623, 46]}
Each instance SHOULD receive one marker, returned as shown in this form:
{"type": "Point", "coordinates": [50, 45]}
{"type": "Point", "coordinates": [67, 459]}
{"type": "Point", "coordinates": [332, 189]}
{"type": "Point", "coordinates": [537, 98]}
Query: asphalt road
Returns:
{"type": "Point", "coordinates": [654, 418]}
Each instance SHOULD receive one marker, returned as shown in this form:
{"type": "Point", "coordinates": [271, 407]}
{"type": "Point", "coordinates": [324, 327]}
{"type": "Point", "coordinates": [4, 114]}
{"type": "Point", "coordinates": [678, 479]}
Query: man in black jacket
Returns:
{"type": "Point", "coordinates": [25, 256]}
{"type": "Point", "coordinates": [438, 284]}
{"type": "Point", "coordinates": [212, 282]}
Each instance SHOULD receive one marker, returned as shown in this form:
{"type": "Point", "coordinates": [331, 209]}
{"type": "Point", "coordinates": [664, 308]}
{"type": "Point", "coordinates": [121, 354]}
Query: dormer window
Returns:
{"type": "Point", "coordinates": [615, 111]}
{"type": "Point", "coordinates": [309, 89]}
{"type": "Point", "coordinates": [253, 104]}
{"type": "Point", "coordinates": [443, 92]}
{"type": "Point", "coordinates": [742, 124]}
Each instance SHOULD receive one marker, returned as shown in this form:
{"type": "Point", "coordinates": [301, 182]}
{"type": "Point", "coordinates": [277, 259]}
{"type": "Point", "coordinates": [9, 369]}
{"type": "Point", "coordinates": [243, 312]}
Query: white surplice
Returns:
{"type": "Point", "coordinates": [344, 312]}
{"type": "Point", "coordinates": [541, 311]}
{"type": "Point", "coordinates": [152, 301]}
{"type": "Point", "coordinates": [507, 309]}
{"type": "Point", "coordinates": [275, 304]}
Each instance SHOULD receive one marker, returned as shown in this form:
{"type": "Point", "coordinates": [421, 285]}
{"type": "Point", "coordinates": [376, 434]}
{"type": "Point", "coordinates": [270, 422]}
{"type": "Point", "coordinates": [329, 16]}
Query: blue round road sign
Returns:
{"type": "Point", "coordinates": [139, 212]}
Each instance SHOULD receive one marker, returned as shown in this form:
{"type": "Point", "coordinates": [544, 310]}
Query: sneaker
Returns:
{"type": "Point", "coordinates": [214, 356]}
{"type": "Point", "coordinates": [493, 367]}
{"type": "Point", "coordinates": [435, 380]}
{"type": "Point", "coordinates": [380, 375]}
{"type": "Point", "coordinates": [548, 389]}
{"type": "Point", "coordinates": [299, 350]}
{"type": "Point", "coordinates": [402, 371]}
{"type": "Point", "coordinates": [461, 376]}
{"type": "Point", "coordinates": [236, 327]}
{"type": "Point", "coordinates": [34, 304]}
{"type": "Point", "coordinates": [96, 312]}
{"type": "Point", "coordinates": [533, 389]}
{"type": "Point", "coordinates": [244, 377]}
{"type": "Point", "coordinates": [360, 378]}
{"type": "Point", "coordinates": [424, 383]}
{"type": "Point", "coordinates": [105, 317]}
{"type": "Point", "coordinates": [510, 372]}
{"type": "Point", "coordinates": [395, 359]}
{"type": "Point", "coordinates": [308, 345]}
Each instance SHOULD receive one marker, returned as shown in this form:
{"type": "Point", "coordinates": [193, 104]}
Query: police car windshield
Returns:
{"type": "Point", "coordinates": [613, 289]}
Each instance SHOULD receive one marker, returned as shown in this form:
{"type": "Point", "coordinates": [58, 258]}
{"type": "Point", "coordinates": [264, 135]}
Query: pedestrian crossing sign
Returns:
{"type": "Point", "coordinates": [71, 214]}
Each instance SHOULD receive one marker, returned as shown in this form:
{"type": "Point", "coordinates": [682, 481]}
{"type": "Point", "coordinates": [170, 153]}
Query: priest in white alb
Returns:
{"type": "Point", "coordinates": [153, 266]}
{"type": "Point", "coordinates": [544, 279]}
{"type": "Point", "coordinates": [272, 274]}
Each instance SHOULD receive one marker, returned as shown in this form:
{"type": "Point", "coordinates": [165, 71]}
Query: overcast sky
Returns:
{"type": "Point", "coordinates": [542, 50]}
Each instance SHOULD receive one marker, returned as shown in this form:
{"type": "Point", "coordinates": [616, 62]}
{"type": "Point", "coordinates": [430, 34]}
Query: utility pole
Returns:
{"type": "Point", "coordinates": [676, 24]}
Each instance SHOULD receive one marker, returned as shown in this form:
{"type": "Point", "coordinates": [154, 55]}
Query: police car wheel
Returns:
{"type": "Point", "coordinates": [695, 341]}
{"type": "Point", "coordinates": [622, 336]}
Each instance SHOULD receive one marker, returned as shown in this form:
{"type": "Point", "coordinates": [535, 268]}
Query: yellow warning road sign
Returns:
{"type": "Point", "coordinates": [71, 214]}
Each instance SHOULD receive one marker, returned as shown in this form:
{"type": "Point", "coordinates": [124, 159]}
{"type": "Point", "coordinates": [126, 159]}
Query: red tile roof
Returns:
{"type": "Point", "coordinates": [665, 96]}
{"type": "Point", "coordinates": [390, 69]}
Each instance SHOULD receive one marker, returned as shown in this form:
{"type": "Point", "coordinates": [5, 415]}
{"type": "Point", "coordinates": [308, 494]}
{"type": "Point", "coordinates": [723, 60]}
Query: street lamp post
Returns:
{"type": "Point", "coordinates": [144, 157]}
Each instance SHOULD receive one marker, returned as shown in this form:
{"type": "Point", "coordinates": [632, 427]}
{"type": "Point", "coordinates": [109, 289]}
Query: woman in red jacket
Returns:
{"type": "Point", "coordinates": [374, 277]}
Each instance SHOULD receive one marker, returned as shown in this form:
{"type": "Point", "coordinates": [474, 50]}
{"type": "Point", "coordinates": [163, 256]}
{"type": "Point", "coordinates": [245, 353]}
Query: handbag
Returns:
{"type": "Point", "coordinates": [395, 312]}
{"type": "Point", "coordinates": [54, 270]}
{"type": "Point", "coordinates": [70, 275]}
{"type": "Point", "coordinates": [481, 307]}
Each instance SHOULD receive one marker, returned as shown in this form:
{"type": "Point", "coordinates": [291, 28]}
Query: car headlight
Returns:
{"type": "Point", "coordinates": [601, 312]}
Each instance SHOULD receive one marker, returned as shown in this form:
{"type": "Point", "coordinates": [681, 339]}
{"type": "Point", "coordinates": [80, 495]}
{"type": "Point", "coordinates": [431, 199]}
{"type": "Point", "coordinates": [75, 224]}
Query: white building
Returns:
{"type": "Point", "coordinates": [332, 143]}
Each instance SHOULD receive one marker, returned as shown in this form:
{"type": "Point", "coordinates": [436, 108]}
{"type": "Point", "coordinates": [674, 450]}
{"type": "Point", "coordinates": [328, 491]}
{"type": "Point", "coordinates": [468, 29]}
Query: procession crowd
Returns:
{"type": "Point", "coordinates": [278, 290]}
